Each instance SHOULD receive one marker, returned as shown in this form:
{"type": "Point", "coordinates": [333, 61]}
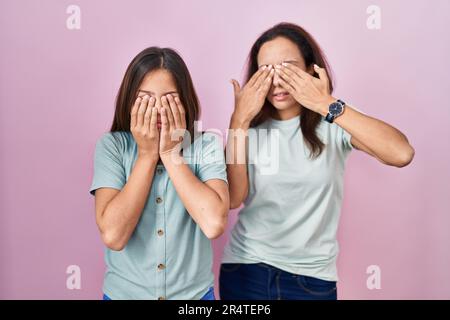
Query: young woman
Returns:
{"type": "Point", "coordinates": [157, 211]}
{"type": "Point", "coordinates": [283, 245]}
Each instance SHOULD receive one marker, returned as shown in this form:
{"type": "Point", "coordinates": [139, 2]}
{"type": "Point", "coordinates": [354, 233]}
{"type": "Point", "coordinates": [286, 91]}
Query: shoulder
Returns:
{"type": "Point", "coordinates": [206, 145]}
{"type": "Point", "coordinates": [263, 125]}
{"type": "Point", "coordinates": [254, 131]}
{"type": "Point", "coordinates": [117, 140]}
{"type": "Point", "coordinates": [334, 132]}
{"type": "Point", "coordinates": [207, 140]}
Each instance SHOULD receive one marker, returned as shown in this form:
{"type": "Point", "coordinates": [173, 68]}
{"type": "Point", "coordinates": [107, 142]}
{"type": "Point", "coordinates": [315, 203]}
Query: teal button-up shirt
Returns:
{"type": "Point", "coordinates": [167, 256]}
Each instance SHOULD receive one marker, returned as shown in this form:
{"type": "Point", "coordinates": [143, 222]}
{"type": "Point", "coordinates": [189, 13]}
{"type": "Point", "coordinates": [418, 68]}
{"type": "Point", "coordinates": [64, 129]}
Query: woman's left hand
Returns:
{"type": "Point", "coordinates": [173, 125]}
{"type": "Point", "coordinates": [311, 92]}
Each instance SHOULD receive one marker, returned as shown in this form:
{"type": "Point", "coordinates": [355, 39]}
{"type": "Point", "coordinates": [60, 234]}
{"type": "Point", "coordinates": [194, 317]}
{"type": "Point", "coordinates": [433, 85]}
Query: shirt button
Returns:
{"type": "Point", "coordinates": [161, 266]}
{"type": "Point", "coordinates": [159, 200]}
{"type": "Point", "coordinates": [159, 171]}
{"type": "Point", "coordinates": [161, 298]}
{"type": "Point", "coordinates": [160, 232]}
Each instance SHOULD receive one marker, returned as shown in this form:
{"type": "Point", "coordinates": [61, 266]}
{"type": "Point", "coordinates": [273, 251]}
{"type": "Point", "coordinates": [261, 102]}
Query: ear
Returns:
{"type": "Point", "coordinates": [311, 71]}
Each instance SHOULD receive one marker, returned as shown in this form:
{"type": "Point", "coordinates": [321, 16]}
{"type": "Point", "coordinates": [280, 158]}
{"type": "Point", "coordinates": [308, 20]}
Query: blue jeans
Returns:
{"type": "Point", "coordinates": [259, 281]}
{"type": "Point", "coordinates": [208, 295]}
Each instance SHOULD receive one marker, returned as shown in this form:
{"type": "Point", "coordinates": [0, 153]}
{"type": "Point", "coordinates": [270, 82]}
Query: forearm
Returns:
{"type": "Point", "coordinates": [237, 162]}
{"type": "Point", "coordinates": [204, 204]}
{"type": "Point", "coordinates": [378, 138]}
{"type": "Point", "coordinates": [122, 213]}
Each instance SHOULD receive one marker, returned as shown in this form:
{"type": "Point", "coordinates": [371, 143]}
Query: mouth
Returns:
{"type": "Point", "coordinates": [158, 121]}
{"type": "Point", "coordinates": [280, 96]}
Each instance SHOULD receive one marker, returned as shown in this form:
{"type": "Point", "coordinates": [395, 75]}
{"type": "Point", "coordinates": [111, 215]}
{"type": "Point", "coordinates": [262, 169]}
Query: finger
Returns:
{"type": "Point", "coordinates": [164, 121]}
{"type": "Point", "coordinates": [174, 110]}
{"type": "Point", "coordinates": [265, 87]}
{"type": "Point", "coordinates": [321, 72]}
{"type": "Point", "coordinates": [134, 110]}
{"type": "Point", "coordinates": [154, 121]}
{"type": "Point", "coordinates": [289, 75]}
{"type": "Point", "coordinates": [286, 86]}
{"type": "Point", "coordinates": [169, 115]}
{"type": "Point", "coordinates": [181, 111]}
{"type": "Point", "coordinates": [263, 77]}
{"type": "Point", "coordinates": [291, 78]}
{"type": "Point", "coordinates": [148, 113]}
{"type": "Point", "coordinates": [141, 111]}
{"type": "Point", "coordinates": [301, 73]}
{"type": "Point", "coordinates": [256, 75]}
{"type": "Point", "coordinates": [236, 86]}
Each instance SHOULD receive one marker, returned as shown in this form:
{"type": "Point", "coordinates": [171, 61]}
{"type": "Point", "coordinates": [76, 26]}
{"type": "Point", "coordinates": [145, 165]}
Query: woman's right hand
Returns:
{"type": "Point", "coordinates": [250, 99]}
{"type": "Point", "coordinates": [143, 126]}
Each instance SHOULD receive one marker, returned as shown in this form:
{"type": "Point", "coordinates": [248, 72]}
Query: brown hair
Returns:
{"type": "Point", "coordinates": [148, 60]}
{"type": "Point", "coordinates": [312, 54]}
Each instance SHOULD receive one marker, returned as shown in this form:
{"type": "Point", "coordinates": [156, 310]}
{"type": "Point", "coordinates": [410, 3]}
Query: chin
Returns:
{"type": "Point", "coordinates": [283, 105]}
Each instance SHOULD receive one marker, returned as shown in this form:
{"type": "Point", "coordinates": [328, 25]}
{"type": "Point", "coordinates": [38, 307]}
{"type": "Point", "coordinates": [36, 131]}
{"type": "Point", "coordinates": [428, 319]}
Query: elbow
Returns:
{"type": "Point", "coordinates": [404, 157]}
{"type": "Point", "coordinates": [238, 194]}
{"type": "Point", "coordinates": [214, 233]}
{"type": "Point", "coordinates": [216, 227]}
{"type": "Point", "coordinates": [235, 201]}
{"type": "Point", "coordinates": [235, 204]}
{"type": "Point", "coordinates": [112, 241]}
{"type": "Point", "coordinates": [112, 237]}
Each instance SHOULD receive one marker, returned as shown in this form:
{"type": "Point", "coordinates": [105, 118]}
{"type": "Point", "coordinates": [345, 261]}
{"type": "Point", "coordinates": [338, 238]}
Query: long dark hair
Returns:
{"type": "Point", "coordinates": [312, 54]}
{"type": "Point", "coordinates": [150, 59]}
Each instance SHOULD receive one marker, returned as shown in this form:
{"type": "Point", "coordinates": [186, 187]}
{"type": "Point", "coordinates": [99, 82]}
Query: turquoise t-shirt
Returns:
{"type": "Point", "coordinates": [291, 214]}
{"type": "Point", "coordinates": [167, 256]}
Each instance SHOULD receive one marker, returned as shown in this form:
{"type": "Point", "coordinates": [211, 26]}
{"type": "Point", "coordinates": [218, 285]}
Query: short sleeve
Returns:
{"type": "Point", "coordinates": [108, 165]}
{"type": "Point", "coordinates": [345, 139]}
{"type": "Point", "coordinates": [211, 158]}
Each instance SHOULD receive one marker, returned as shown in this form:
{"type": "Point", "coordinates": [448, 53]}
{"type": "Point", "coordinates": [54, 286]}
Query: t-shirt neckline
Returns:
{"type": "Point", "coordinates": [289, 123]}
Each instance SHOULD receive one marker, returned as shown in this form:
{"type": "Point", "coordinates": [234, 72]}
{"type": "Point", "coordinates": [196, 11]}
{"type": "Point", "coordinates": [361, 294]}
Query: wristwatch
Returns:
{"type": "Point", "coordinates": [335, 110]}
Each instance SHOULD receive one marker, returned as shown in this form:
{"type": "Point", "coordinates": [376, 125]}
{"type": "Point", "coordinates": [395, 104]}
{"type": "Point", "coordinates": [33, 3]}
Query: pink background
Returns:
{"type": "Point", "coordinates": [57, 89]}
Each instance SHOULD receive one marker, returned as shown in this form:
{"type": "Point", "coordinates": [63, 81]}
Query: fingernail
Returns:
{"type": "Point", "coordinates": [284, 64]}
{"type": "Point", "coordinates": [264, 67]}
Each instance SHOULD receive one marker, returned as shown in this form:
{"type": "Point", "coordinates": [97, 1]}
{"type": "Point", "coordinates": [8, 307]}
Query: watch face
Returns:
{"type": "Point", "coordinates": [335, 108]}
